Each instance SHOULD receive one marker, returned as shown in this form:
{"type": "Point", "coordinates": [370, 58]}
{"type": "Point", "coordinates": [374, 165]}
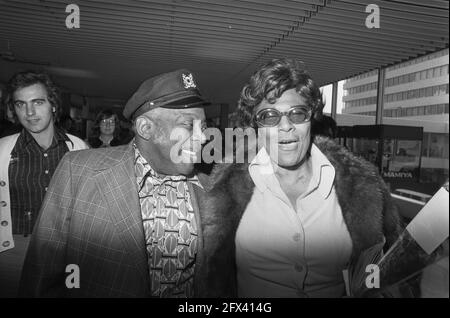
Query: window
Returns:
{"type": "Point", "coordinates": [394, 113]}
{"type": "Point", "coordinates": [436, 72]}
{"type": "Point", "coordinates": [417, 77]}
{"type": "Point", "coordinates": [435, 90]}
{"type": "Point", "coordinates": [421, 92]}
{"type": "Point", "coordinates": [423, 75]}
{"type": "Point", "coordinates": [425, 144]}
{"type": "Point", "coordinates": [421, 110]}
{"type": "Point", "coordinates": [409, 111]}
{"type": "Point", "coordinates": [404, 95]}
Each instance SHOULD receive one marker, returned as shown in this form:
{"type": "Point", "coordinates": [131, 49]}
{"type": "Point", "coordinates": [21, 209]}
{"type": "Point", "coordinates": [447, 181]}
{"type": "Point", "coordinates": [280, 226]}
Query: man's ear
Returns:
{"type": "Point", "coordinates": [144, 127]}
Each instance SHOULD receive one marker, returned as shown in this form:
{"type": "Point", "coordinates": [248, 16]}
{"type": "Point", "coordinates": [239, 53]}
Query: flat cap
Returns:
{"type": "Point", "coordinates": [176, 89]}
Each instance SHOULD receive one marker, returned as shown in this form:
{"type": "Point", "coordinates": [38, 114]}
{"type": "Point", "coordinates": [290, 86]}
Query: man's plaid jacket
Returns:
{"type": "Point", "coordinates": [91, 217]}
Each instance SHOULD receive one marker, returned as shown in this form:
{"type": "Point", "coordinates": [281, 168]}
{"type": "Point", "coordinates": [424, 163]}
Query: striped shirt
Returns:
{"type": "Point", "coordinates": [30, 171]}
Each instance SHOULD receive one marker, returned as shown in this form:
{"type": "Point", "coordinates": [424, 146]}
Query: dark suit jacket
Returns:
{"type": "Point", "coordinates": [91, 217]}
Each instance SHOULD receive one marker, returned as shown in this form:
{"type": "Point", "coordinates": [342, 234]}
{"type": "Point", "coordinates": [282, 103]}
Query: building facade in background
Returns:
{"type": "Point", "coordinates": [416, 93]}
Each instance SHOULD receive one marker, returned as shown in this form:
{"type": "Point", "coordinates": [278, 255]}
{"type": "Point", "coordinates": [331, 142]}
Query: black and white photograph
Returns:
{"type": "Point", "coordinates": [235, 151]}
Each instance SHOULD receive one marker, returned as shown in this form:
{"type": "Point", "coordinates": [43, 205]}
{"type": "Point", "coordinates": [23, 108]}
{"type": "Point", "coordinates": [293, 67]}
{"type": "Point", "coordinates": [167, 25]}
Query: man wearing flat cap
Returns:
{"type": "Point", "coordinates": [131, 221]}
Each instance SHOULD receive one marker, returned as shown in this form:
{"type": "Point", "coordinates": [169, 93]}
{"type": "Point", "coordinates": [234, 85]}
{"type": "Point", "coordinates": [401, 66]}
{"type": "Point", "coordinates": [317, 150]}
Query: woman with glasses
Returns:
{"type": "Point", "coordinates": [303, 207]}
{"type": "Point", "coordinates": [106, 130]}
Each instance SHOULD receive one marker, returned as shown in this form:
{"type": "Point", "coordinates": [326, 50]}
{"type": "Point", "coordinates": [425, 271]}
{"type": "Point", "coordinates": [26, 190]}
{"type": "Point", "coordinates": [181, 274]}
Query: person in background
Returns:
{"type": "Point", "coordinates": [68, 125]}
{"type": "Point", "coordinates": [106, 130]}
{"type": "Point", "coordinates": [27, 162]}
{"type": "Point", "coordinates": [324, 126]}
{"type": "Point", "coordinates": [7, 124]}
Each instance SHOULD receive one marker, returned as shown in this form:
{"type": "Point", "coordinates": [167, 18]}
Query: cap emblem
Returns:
{"type": "Point", "coordinates": [188, 81]}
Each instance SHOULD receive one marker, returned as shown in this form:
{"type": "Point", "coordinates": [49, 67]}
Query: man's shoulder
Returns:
{"type": "Point", "coordinates": [78, 143]}
{"type": "Point", "coordinates": [100, 158]}
{"type": "Point", "coordinates": [9, 139]}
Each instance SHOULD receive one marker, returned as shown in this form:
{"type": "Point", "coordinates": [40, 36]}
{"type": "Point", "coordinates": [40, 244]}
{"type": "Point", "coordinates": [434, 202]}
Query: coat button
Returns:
{"type": "Point", "coordinates": [296, 237]}
{"type": "Point", "coordinates": [4, 223]}
{"type": "Point", "coordinates": [2, 203]}
{"type": "Point", "coordinates": [2, 183]}
{"type": "Point", "coordinates": [6, 243]}
{"type": "Point", "coordinates": [298, 267]}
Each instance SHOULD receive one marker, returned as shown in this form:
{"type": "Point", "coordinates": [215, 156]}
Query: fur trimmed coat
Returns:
{"type": "Point", "coordinates": [367, 208]}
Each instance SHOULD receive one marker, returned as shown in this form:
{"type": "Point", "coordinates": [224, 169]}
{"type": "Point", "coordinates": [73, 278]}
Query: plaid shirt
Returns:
{"type": "Point", "coordinates": [29, 172]}
{"type": "Point", "coordinates": [170, 230]}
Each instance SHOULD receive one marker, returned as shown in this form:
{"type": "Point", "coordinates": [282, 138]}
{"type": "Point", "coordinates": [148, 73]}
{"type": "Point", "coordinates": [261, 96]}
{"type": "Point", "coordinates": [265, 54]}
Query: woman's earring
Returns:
{"type": "Point", "coordinates": [54, 109]}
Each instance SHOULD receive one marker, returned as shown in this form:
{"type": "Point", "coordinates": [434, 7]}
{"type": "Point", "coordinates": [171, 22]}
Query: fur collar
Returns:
{"type": "Point", "coordinates": [365, 201]}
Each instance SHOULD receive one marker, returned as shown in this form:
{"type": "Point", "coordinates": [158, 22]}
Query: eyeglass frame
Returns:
{"type": "Point", "coordinates": [286, 113]}
{"type": "Point", "coordinates": [106, 121]}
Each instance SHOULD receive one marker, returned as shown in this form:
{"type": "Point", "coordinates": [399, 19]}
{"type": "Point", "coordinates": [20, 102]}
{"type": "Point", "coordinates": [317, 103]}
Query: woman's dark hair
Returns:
{"type": "Point", "coordinates": [270, 81]}
{"type": "Point", "coordinates": [28, 78]}
{"type": "Point", "coordinates": [326, 126]}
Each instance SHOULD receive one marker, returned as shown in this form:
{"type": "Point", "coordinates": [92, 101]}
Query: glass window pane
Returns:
{"type": "Point", "coordinates": [435, 90]}
{"type": "Point", "coordinates": [436, 72]}
{"type": "Point", "coordinates": [425, 144]}
{"type": "Point", "coordinates": [423, 75]}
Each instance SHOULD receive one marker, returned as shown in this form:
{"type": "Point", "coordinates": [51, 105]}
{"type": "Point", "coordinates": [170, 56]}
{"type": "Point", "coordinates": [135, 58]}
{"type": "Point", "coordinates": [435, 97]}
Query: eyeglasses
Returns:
{"type": "Point", "coordinates": [270, 117]}
{"type": "Point", "coordinates": [107, 121]}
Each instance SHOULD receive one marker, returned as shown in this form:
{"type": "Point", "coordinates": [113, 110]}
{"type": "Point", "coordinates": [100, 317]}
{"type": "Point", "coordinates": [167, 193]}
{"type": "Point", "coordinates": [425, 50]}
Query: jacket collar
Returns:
{"type": "Point", "coordinates": [116, 181]}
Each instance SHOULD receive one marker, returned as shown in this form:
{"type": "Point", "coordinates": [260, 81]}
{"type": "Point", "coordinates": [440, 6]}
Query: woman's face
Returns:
{"type": "Point", "coordinates": [107, 126]}
{"type": "Point", "coordinates": [286, 143]}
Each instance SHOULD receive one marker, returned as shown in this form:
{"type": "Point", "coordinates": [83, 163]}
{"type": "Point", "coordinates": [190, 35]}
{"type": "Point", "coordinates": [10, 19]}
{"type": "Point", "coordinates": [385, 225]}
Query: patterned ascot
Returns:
{"type": "Point", "coordinates": [170, 230]}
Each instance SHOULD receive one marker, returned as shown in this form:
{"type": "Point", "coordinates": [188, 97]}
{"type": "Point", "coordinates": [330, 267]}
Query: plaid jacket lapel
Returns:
{"type": "Point", "coordinates": [118, 185]}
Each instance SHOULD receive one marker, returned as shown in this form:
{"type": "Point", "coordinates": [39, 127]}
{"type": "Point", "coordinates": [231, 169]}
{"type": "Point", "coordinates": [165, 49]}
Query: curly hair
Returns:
{"type": "Point", "coordinates": [24, 79]}
{"type": "Point", "coordinates": [270, 81]}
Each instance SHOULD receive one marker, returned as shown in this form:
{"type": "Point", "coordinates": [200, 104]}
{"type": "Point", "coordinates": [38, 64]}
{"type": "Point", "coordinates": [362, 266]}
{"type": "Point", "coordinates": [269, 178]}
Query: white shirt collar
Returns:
{"type": "Point", "coordinates": [262, 172]}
